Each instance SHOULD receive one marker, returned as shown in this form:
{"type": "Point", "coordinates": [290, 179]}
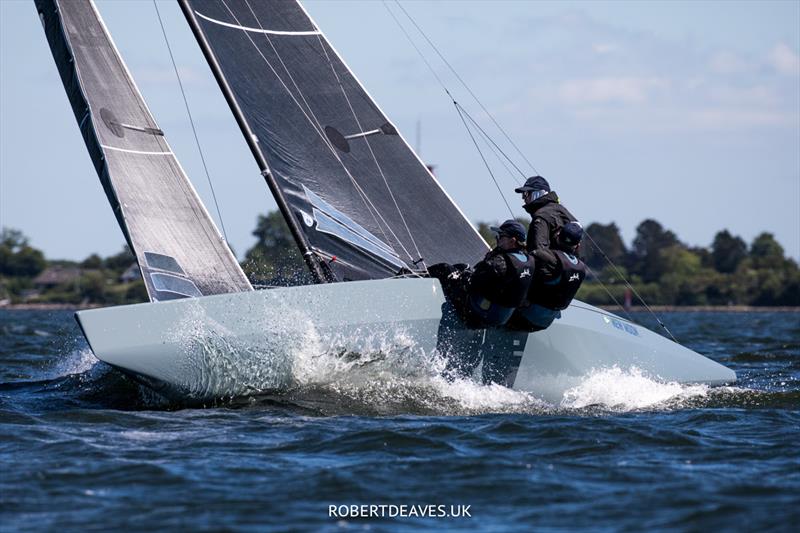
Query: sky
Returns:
{"type": "Point", "coordinates": [685, 112]}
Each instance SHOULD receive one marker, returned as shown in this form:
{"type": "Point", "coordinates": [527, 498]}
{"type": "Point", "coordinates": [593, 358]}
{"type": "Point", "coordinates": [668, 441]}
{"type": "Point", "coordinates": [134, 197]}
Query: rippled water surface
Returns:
{"type": "Point", "coordinates": [84, 448]}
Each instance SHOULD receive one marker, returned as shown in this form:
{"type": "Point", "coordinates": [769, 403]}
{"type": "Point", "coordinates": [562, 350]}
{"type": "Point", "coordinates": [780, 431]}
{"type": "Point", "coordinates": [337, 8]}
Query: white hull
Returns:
{"type": "Point", "coordinates": [215, 346]}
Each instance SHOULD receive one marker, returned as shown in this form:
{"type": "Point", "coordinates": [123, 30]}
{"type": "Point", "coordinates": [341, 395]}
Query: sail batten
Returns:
{"type": "Point", "coordinates": [324, 138]}
{"type": "Point", "coordinates": [156, 206]}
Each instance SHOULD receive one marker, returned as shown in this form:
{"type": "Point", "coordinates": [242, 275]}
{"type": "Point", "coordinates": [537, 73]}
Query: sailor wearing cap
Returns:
{"type": "Point", "coordinates": [500, 281]}
{"type": "Point", "coordinates": [547, 214]}
{"type": "Point", "coordinates": [558, 276]}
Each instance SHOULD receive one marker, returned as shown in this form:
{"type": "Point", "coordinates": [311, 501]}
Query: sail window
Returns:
{"type": "Point", "coordinates": [321, 205]}
{"type": "Point", "coordinates": [174, 285]}
{"type": "Point", "coordinates": [326, 224]}
{"type": "Point", "coordinates": [163, 262]}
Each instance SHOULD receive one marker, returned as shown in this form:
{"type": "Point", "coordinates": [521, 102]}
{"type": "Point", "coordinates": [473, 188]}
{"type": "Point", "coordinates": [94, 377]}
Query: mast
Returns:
{"type": "Point", "coordinates": [311, 259]}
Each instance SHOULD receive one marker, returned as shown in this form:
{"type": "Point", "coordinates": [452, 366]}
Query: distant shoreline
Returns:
{"type": "Point", "coordinates": [612, 308]}
{"type": "Point", "coordinates": [705, 308]}
{"type": "Point", "coordinates": [50, 307]}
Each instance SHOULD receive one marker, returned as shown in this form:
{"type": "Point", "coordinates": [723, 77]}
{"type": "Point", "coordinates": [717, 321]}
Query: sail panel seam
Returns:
{"type": "Point", "coordinates": [140, 152]}
{"type": "Point", "coordinates": [255, 30]}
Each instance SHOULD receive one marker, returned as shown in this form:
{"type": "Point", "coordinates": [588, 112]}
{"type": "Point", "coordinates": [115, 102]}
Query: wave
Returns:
{"type": "Point", "coordinates": [388, 375]}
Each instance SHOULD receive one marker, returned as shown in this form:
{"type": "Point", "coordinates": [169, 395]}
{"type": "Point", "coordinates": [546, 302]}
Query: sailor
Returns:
{"type": "Point", "coordinates": [558, 276]}
{"type": "Point", "coordinates": [488, 294]}
{"type": "Point", "coordinates": [547, 214]}
{"type": "Point", "coordinates": [500, 282]}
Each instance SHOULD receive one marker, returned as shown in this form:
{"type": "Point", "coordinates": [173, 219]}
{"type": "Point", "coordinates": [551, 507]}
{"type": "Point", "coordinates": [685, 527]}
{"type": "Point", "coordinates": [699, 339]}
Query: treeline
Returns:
{"type": "Point", "coordinates": [666, 271]}
{"type": "Point", "coordinates": [27, 276]}
{"type": "Point", "coordinates": [661, 268]}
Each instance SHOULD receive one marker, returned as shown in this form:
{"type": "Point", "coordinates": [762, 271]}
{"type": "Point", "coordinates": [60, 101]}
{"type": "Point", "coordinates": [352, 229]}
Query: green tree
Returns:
{"type": "Point", "coordinates": [17, 257]}
{"type": "Point", "coordinates": [650, 239]}
{"type": "Point", "coordinates": [727, 251]}
{"type": "Point", "coordinates": [93, 262]}
{"type": "Point", "coordinates": [119, 262]}
{"type": "Point", "coordinates": [684, 281]}
{"type": "Point", "coordinates": [486, 233]}
{"type": "Point", "coordinates": [603, 237]}
{"type": "Point", "coordinates": [274, 259]}
{"type": "Point", "coordinates": [766, 252]}
{"type": "Point", "coordinates": [93, 287]}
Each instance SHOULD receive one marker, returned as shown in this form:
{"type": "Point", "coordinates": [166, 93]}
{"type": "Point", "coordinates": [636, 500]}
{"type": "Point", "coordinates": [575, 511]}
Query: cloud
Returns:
{"type": "Point", "coordinates": [604, 48]}
{"type": "Point", "coordinates": [626, 90]}
{"type": "Point", "coordinates": [736, 118]}
{"type": "Point", "coordinates": [725, 62]}
{"type": "Point", "coordinates": [784, 59]}
{"type": "Point", "coordinates": [749, 96]}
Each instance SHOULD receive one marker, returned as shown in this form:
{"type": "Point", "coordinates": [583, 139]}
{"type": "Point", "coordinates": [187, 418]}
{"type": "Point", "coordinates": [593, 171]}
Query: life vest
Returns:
{"type": "Point", "coordinates": [557, 293]}
{"type": "Point", "coordinates": [511, 289]}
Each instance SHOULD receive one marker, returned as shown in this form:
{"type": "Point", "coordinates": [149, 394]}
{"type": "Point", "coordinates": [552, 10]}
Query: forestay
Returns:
{"type": "Point", "coordinates": [364, 202]}
{"type": "Point", "coordinates": [178, 247]}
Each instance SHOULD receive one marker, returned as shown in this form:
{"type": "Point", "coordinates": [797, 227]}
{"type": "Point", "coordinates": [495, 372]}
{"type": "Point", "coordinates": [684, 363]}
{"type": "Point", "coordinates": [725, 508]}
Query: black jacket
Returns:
{"type": "Point", "coordinates": [503, 277]}
{"type": "Point", "coordinates": [558, 277]}
{"type": "Point", "coordinates": [547, 217]}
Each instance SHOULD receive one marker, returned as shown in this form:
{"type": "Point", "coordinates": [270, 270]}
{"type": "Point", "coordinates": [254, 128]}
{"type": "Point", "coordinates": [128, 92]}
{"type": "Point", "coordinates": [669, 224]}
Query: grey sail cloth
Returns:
{"type": "Point", "coordinates": [179, 249]}
{"type": "Point", "coordinates": [353, 185]}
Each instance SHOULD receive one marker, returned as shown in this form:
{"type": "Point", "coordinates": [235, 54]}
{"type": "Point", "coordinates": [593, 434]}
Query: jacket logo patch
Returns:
{"type": "Point", "coordinates": [525, 273]}
{"type": "Point", "coordinates": [574, 277]}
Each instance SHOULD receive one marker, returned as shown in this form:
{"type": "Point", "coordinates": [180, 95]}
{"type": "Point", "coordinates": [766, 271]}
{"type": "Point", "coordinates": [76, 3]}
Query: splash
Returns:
{"type": "Point", "coordinates": [628, 389]}
{"type": "Point", "coordinates": [218, 363]}
{"type": "Point", "coordinates": [378, 368]}
{"type": "Point", "coordinates": [79, 361]}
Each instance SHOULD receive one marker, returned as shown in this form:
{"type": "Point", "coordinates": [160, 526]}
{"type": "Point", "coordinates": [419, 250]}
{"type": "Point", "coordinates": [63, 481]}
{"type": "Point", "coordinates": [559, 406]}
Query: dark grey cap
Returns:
{"type": "Point", "coordinates": [535, 183]}
{"type": "Point", "coordinates": [512, 228]}
{"type": "Point", "coordinates": [571, 234]}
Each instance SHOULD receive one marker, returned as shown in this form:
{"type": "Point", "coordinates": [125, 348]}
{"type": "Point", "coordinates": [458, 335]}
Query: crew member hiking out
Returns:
{"type": "Point", "coordinates": [489, 294]}
{"type": "Point", "coordinates": [557, 277]}
{"type": "Point", "coordinates": [547, 214]}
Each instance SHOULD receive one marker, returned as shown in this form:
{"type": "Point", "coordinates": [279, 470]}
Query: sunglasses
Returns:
{"type": "Point", "coordinates": [533, 195]}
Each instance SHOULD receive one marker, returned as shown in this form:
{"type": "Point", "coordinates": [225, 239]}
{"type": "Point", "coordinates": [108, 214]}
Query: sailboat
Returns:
{"type": "Point", "coordinates": [366, 213]}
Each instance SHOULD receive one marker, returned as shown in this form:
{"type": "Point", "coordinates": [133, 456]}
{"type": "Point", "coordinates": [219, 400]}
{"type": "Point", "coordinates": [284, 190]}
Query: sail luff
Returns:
{"type": "Point", "coordinates": [309, 257]}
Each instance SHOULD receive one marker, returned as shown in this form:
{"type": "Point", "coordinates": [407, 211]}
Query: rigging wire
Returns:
{"type": "Point", "coordinates": [498, 153]}
{"type": "Point", "coordinates": [191, 121]}
{"type": "Point", "coordinates": [496, 147]}
{"type": "Point", "coordinates": [631, 287]}
{"type": "Point", "coordinates": [421, 55]}
{"type": "Point", "coordinates": [458, 108]}
{"type": "Point", "coordinates": [460, 79]}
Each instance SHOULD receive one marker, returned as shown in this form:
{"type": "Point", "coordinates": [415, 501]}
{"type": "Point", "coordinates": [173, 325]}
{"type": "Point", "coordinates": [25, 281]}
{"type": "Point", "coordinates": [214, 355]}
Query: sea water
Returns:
{"type": "Point", "coordinates": [381, 441]}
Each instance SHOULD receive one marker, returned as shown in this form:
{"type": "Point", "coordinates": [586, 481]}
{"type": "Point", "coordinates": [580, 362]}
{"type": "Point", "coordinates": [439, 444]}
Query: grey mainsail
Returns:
{"type": "Point", "coordinates": [177, 245]}
{"type": "Point", "coordinates": [354, 193]}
